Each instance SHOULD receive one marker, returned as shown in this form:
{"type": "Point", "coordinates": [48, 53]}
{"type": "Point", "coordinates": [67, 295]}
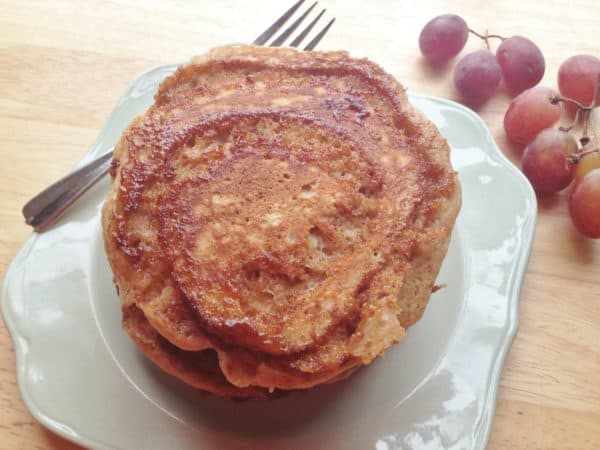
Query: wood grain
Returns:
{"type": "Point", "coordinates": [64, 63]}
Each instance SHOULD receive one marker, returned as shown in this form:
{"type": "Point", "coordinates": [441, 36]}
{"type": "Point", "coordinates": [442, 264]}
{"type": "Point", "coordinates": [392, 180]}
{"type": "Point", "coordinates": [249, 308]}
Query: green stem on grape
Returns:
{"type": "Point", "coordinates": [486, 36]}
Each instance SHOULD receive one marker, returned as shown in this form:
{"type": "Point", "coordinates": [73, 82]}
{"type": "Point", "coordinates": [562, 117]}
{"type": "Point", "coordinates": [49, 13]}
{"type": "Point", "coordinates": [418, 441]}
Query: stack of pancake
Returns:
{"type": "Point", "coordinates": [277, 219]}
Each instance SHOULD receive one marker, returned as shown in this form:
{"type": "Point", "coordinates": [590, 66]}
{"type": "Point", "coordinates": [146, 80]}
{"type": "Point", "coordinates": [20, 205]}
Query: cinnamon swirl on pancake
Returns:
{"type": "Point", "coordinates": [277, 219]}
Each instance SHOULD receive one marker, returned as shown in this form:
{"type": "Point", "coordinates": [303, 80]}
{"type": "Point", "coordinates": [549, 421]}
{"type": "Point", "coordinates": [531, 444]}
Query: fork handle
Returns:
{"type": "Point", "coordinates": [47, 206]}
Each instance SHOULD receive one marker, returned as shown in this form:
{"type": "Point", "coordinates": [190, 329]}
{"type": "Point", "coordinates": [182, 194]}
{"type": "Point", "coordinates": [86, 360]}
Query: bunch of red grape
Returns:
{"type": "Point", "coordinates": [552, 158]}
{"type": "Point", "coordinates": [477, 75]}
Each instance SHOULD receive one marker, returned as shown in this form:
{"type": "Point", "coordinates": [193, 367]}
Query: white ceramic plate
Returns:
{"type": "Point", "coordinates": [82, 377]}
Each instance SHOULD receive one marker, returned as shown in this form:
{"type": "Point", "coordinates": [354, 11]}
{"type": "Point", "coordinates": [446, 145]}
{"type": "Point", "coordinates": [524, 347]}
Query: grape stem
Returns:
{"type": "Point", "coordinates": [557, 99]}
{"type": "Point", "coordinates": [576, 157]}
{"type": "Point", "coordinates": [486, 36]}
{"type": "Point", "coordinates": [586, 110]}
{"type": "Point", "coordinates": [573, 123]}
{"type": "Point", "coordinates": [584, 137]}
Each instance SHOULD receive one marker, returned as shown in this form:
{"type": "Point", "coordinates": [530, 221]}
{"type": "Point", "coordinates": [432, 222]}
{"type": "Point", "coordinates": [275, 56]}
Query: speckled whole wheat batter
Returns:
{"type": "Point", "coordinates": [277, 219]}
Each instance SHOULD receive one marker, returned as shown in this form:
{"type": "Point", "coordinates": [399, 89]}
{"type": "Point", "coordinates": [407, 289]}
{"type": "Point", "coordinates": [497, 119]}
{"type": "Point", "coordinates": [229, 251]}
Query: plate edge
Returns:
{"type": "Point", "coordinates": [481, 437]}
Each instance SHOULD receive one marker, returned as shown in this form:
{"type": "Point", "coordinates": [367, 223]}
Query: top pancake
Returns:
{"type": "Point", "coordinates": [286, 208]}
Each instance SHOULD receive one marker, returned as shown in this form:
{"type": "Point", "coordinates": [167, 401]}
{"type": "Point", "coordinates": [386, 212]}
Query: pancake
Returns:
{"type": "Point", "coordinates": [282, 213]}
{"type": "Point", "coordinates": [198, 369]}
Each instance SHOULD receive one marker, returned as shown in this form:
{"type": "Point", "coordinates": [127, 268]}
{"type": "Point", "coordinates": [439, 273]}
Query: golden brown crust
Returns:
{"type": "Point", "coordinates": [198, 369]}
{"type": "Point", "coordinates": [289, 210]}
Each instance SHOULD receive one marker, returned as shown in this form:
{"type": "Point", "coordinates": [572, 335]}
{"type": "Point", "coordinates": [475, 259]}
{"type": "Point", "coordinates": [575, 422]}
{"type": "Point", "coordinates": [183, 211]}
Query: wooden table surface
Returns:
{"type": "Point", "coordinates": [64, 64]}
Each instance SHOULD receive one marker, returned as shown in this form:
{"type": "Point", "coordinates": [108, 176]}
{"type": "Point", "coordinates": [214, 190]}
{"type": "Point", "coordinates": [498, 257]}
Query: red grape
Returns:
{"type": "Point", "coordinates": [546, 163]}
{"type": "Point", "coordinates": [577, 78]}
{"type": "Point", "coordinates": [476, 76]}
{"type": "Point", "coordinates": [443, 37]}
{"type": "Point", "coordinates": [529, 113]}
{"type": "Point", "coordinates": [586, 164]}
{"type": "Point", "coordinates": [584, 204]}
{"type": "Point", "coordinates": [522, 63]}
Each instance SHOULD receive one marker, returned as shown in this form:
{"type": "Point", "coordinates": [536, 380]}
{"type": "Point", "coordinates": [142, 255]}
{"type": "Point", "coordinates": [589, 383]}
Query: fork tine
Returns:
{"type": "Point", "coordinates": [312, 44]}
{"type": "Point", "coordinates": [266, 35]}
{"type": "Point", "coordinates": [296, 42]}
{"type": "Point", "coordinates": [281, 39]}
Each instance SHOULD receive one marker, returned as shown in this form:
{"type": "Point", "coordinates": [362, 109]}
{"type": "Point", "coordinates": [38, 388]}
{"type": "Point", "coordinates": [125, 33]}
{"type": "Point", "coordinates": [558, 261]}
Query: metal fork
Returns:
{"type": "Point", "coordinates": [46, 207]}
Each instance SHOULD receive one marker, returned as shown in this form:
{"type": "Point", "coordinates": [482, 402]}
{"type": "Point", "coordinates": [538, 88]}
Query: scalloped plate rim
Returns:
{"type": "Point", "coordinates": [21, 343]}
